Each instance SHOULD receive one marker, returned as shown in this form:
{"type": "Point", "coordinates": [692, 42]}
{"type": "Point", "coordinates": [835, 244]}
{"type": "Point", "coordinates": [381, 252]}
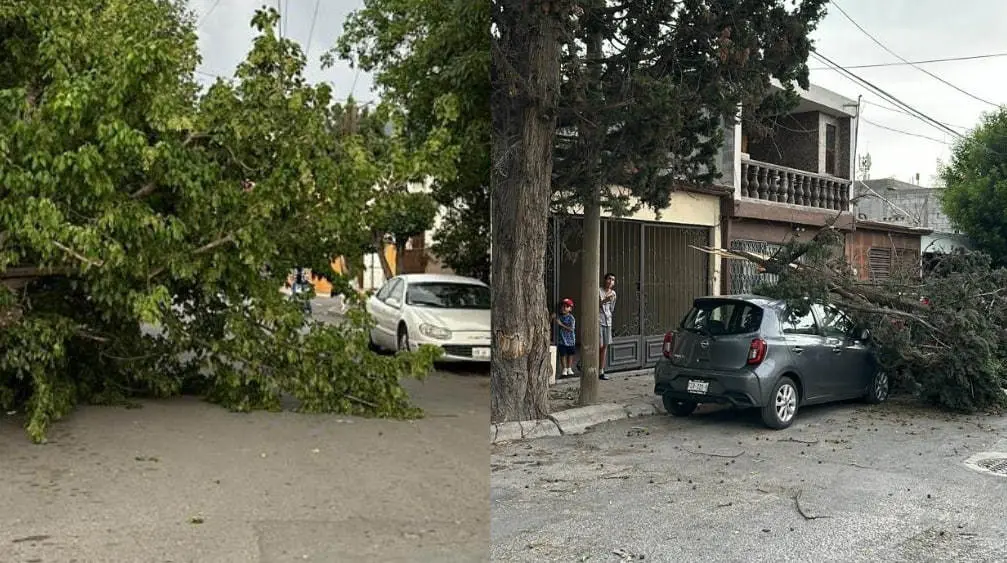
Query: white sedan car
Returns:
{"type": "Point", "coordinates": [451, 312]}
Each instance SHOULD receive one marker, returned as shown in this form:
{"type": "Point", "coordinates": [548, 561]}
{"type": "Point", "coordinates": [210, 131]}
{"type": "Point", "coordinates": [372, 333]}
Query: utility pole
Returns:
{"type": "Point", "coordinates": [590, 362]}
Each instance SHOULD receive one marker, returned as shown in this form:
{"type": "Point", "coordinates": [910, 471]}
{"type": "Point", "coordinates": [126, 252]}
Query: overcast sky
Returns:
{"type": "Point", "coordinates": [913, 29]}
{"type": "Point", "coordinates": [225, 37]}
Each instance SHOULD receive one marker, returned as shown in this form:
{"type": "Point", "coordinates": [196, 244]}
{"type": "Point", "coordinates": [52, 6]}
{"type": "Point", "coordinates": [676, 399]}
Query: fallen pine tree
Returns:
{"type": "Point", "coordinates": [942, 335]}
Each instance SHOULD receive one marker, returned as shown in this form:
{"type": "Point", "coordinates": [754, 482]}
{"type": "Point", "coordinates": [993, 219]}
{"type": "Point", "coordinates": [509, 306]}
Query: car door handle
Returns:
{"type": "Point", "coordinates": [797, 349]}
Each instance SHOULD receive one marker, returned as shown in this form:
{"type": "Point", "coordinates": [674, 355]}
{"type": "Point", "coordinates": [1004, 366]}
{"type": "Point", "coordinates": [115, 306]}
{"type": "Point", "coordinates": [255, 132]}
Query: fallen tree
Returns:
{"type": "Point", "coordinates": [147, 225]}
{"type": "Point", "coordinates": [942, 336]}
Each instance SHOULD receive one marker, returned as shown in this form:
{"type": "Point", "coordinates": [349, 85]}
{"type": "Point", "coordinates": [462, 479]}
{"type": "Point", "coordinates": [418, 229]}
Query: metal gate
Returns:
{"type": "Point", "coordinates": [746, 275]}
{"type": "Point", "coordinates": [658, 276]}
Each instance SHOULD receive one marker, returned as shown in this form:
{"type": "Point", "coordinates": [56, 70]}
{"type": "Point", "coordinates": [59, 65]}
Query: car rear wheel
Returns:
{"type": "Point", "coordinates": [781, 409]}
{"type": "Point", "coordinates": [879, 389]}
{"type": "Point", "coordinates": [678, 407]}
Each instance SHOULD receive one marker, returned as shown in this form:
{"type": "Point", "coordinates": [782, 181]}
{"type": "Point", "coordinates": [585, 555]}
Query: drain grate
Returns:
{"type": "Point", "coordinates": [994, 465]}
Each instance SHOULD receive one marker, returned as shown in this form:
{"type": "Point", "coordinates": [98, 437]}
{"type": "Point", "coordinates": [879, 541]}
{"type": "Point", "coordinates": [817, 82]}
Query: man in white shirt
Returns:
{"type": "Point", "coordinates": [607, 298]}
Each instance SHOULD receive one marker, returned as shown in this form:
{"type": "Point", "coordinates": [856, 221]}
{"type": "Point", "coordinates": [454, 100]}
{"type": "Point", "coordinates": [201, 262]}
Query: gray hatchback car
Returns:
{"type": "Point", "coordinates": [752, 352]}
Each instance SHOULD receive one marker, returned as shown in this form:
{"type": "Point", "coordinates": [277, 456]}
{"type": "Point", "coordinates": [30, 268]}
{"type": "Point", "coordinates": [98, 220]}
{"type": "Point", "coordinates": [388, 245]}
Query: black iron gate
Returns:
{"type": "Point", "coordinates": [658, 272]}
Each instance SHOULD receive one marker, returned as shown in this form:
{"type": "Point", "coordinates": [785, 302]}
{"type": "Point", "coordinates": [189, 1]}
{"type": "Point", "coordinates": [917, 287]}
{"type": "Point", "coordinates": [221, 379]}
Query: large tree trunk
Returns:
{"type": "Point", "coordinates": [526, 77]}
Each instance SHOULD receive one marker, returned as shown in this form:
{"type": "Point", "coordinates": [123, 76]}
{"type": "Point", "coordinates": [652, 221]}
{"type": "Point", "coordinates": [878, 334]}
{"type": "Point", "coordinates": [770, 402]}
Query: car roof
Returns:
{"type": "Point", "coordinates": [758, 300]}
{"type": "Point", "coordinates": [439, 278]}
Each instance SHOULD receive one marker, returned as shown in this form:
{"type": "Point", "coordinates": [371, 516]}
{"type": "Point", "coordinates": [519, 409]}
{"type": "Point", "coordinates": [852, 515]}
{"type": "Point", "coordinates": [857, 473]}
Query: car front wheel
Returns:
{"type": "Point", "coordinates": [678, 407]}
{"type": "Point", "coordinates": [403, 339]}
{"type": "Point", "coordinates": [878, 391]}
{"type": "Point", "coordinates": [781, 409]}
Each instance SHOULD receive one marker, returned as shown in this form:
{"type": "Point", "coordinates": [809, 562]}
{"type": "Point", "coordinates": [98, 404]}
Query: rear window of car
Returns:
{"type": "Point", "coordinates": [720, 317]}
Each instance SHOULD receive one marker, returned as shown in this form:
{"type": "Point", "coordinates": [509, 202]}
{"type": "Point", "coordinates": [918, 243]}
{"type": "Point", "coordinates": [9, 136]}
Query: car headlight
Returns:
{"type": "Point", "coordinates": [434, 331]}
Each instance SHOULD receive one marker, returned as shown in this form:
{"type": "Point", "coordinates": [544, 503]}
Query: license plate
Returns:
{"type": "Point", "coordinates": [700, 387]}
{"type": "Point", "coordinates": [481, 353]}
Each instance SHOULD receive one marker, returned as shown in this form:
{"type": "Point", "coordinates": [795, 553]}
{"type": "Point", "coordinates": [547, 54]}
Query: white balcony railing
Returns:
{"type": "Point", "coordinates": [771, 182]}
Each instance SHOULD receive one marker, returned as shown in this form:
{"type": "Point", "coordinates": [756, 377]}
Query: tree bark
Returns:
{"type": "Point", "coordinates": [379, 248]}
{"type": "Point", "coordinates": [590, 311]}
{"type": "Point", "coordinates": [526, 78]}
{"type": "Point", "coordinates": [400, 258]}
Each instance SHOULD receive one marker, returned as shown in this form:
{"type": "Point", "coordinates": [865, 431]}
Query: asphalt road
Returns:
{"type": "Point", "coordinates": [185, 481]}
{"type": "Point", "coordinates": [880, 483]}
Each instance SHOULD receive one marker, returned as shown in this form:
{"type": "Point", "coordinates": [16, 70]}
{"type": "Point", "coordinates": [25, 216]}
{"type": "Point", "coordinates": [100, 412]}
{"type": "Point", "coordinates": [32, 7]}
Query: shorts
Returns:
{"type": "Point", "coordinates": [565, 351]}
{"type": "Point", "coordinates": [606, 335]}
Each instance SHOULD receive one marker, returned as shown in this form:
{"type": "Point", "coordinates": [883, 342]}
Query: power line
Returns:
{"type": "Point", "coordinates": [311, 31]}
{"type": "Point", "coordinates": [925, 61]}
{"type": "Point", "coordinates": [888, 97]}
{"type": "Point", "coordinates": [903, 112]}
{"type": "Point", "coordinates": [901, 58]}
{"type": "Point", "coordinates": [283, 22]}
{"type": "Point", "coordinates": [894, 130]}
{"type": "Point", "coordinates": [202, 20]}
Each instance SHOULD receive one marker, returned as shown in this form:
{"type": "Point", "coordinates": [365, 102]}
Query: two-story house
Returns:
{"type": "Point", "coordinates": [786, 184]}
{"type": "Point", "coordinates": [797, 180]}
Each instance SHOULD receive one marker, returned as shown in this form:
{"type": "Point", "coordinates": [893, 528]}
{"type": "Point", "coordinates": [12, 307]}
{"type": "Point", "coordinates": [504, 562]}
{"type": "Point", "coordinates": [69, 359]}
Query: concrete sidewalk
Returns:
{"type": "Point", "coordinates": [623, 389]}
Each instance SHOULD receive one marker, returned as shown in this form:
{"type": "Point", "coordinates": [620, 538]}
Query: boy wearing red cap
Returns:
{"type": "Point", "coordinates": [566, 337]}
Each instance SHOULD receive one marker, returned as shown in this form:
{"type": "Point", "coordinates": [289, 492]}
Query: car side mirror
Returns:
{"type": "Point", "coordinates": [393, 302]}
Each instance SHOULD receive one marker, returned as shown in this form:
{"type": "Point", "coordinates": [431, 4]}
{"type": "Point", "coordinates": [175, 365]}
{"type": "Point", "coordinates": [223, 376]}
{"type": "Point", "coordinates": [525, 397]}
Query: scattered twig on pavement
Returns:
{"type": "Point", "coordinates": [361, 401]}
{"type": "Point", "coordinates": [739, 454]}
{"type": "Point", "coordinates": [792, 439]}
{"type": "Point", "coordinates": [860, 466]}
{"type": "Point", "coordinates": [725, 504]}
{"type": "Point", "coordinates": [797, 503]}
{"type": "Point", "coordinates": [761, 490]}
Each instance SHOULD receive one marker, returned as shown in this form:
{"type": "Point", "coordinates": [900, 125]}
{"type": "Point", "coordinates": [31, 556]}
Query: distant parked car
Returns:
{"type": "Point", "coordinates": [751, 352]}
{"type": "Point", "coordinates": [451, 312]}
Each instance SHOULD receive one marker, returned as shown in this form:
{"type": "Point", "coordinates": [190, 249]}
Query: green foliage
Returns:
{"type": "Point", "coordinates": [951, 353]}
{"type": "Point", "coordinates": [975, 181]}
{"type": "Point", "coordinates": [422, 52]}
{"type": "Point", "coordinates": [647, 85]}
{"type": "Point", "coordinates": [146, 226]}
{"type": "Point", "coordinates": [403, 215]}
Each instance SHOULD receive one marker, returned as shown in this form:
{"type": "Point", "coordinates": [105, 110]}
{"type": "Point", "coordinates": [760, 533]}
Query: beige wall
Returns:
{"type": "Point", "coordinates": [688, 208]}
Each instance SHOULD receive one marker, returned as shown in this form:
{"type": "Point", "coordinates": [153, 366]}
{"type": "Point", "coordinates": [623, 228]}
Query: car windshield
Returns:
{"type": "Point", "coordinates": [720, 317]}
{"type": "Point", "coordinates": [447, 295]}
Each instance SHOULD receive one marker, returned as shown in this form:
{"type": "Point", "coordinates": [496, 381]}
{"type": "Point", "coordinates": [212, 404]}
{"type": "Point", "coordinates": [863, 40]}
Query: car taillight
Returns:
{"type": "Point", "coordinates": [669, 341]}
{"type": "Point", "coordinates": [756, 352]}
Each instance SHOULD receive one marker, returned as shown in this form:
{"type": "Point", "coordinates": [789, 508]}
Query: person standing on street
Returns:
{"type": "Point", "coordinates": [607, 298]}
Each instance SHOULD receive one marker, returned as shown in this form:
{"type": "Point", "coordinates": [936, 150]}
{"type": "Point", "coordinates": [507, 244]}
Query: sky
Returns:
{"type": "Point", "coordinates": [225, 37]}
{"type": "Point", "coordinates": [913, 29]}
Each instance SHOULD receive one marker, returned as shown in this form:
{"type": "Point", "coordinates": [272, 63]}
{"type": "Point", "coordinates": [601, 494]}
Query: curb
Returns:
{"type": "Point", "coordinates": [568, 422]}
